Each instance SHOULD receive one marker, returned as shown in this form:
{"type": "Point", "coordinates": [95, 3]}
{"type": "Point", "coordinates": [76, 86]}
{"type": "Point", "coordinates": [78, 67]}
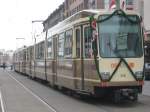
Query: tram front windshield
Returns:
{"type": "Point", "coordinates": [119, 37]}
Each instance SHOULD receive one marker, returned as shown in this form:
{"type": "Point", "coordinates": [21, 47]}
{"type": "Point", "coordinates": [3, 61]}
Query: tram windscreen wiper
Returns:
{"type": "Point", "coordinates": [120, 44]}
{"type": "Point", "coordinates": [121, 41]}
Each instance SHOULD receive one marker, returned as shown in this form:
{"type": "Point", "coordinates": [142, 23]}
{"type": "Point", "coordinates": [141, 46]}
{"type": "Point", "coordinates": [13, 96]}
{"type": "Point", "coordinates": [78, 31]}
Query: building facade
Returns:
{"type": "Point", "coordinates": [70, 7]}
{"type": "Point", "coordinates": [54, 18]}
{"type": "Point", "coordinates": [6, 57]}
{"type": "Point", "coordinates": [147, 17]}
{"type": "Point", "coordinates": [73, 6]}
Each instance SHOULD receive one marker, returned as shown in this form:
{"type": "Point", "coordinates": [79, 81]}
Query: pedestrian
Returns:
{"type": "Point", "coordinates": [4, 65]}
{"type": "Point", "coordinates": [11, 67]}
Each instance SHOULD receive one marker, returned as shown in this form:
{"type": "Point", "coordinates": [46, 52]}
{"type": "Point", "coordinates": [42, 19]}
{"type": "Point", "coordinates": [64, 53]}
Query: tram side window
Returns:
{"type": "Point", "coordinates": [28, 54]}
{"type": "Point", "coordinates": [78, 42]}
{"type": "Point", "coordinates": [68, 44]}
{"type": "Point", "coordinates": [31, 53]}
{"type": "Point", "coordinates": [49, 47]}
{"type": "Point", "coordinates": [21, 56]}
{"type": "Point", "coordinates": [87, 42]}
{"type": "Point", "coordinates": [36, 51]}
{"type": "Point", "coordinates": [40, 51]}
{"type": "Point", "coordinates": [61, 46]}
{"type": "Point", "coordinates": [24, 55]}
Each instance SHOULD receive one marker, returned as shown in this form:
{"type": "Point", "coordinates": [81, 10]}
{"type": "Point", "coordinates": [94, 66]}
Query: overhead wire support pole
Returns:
{"type": "Point", "coordinates": [34, 37]}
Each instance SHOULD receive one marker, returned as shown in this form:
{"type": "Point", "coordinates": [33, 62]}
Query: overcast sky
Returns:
{"type": "Point", "coordinates": [16, 18]}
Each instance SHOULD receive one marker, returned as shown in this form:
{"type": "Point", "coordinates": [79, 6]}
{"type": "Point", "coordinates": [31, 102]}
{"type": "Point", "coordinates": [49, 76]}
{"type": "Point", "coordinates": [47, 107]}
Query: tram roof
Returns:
{"type": "Point", "coordinates": [74, 17]}
{"type": "Point", "coordinates": [81, 14]}
{"type": "Point", "coordinates": [90, 12]}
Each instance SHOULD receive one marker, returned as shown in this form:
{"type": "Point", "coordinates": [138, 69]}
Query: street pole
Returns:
{"type": "Point", "coordinates": [34, 37]}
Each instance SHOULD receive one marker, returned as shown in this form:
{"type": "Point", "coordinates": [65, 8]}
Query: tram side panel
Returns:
{"type": "Point", "coordinates": [51, 74]}
{"type": "Point", "coordinates": [23, 62]}
{"type": "Point", "coordinates": [16, 62]}
{"type": "Point", "coordinates": [31, 62]}
{"type": "Point", "coordinates": [40, 62]}
{"type": "Point", "coordinates": [51, 68]}
{"type": "Point", "coordinates": [40, 69]}
{"type": "Point", "coordinates": [28, 62]}
{"type": "Point", "coordinates": [65, 75]}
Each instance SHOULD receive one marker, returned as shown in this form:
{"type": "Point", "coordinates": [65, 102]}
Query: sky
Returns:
{"type": "Point", "coordinates": [16, 18]}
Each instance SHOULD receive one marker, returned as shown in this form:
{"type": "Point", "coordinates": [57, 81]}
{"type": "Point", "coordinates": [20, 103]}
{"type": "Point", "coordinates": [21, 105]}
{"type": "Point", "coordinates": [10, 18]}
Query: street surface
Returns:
{"type": "Point", "coordinates": [21, 94]}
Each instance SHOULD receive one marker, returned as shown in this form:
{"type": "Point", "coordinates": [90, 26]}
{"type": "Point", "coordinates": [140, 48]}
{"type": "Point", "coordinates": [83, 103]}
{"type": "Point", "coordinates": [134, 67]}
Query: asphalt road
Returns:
{"type": "Point", "coordinates": [61, 102]}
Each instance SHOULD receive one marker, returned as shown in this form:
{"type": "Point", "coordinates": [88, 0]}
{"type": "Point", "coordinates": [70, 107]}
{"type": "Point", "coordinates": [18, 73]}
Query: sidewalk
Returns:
{"type": "Point", "coordinates": [146, 88]}
{"type": "Point", "coordinates": [16, 98]}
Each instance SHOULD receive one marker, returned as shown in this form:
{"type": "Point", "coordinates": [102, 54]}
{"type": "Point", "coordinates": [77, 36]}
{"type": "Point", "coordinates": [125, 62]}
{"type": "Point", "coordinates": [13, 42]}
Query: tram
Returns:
{"type": "Point", "coordinates": [93, 52]}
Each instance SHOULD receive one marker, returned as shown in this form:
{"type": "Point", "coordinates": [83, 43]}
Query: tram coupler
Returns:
{"type": "Point", "coordinates": [125, 94]}
{"type": "Point", "coordinates": [130, 94]}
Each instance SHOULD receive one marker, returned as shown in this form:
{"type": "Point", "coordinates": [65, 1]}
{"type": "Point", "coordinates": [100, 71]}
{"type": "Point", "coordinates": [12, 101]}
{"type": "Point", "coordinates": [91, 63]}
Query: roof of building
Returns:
{"type": "Point", "coordinates": [54, 12]}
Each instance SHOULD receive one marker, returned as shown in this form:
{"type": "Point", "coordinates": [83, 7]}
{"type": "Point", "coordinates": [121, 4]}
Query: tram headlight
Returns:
{"type": "Point", "coordinates": [105, 75]}
{"type": "Point", "coordinates": [139, 74]}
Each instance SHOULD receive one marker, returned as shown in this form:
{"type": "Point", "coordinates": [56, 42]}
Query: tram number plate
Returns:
{"type": "Point", "coordinates": [123, 75]}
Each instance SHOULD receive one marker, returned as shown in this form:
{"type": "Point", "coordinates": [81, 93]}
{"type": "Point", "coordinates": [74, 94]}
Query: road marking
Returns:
{"type": "Point", "coordinates": [2, 103]}
{"type": "Point", "coordinates": [32, 93]}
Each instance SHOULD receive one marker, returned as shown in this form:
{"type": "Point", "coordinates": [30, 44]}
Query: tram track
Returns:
{"type": "Point", "coordinates": [2, 108]}
{"type": "Point", "coordinates": [42, 100]}
{"type": "Point", "coordinates": [68, 104]}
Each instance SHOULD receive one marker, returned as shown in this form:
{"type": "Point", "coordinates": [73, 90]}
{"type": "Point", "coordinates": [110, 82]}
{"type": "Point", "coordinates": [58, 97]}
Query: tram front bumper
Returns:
{"type": "Point", "coordinates": [126, 88]}
{"type": "Point", "coordinates": [122, 83]}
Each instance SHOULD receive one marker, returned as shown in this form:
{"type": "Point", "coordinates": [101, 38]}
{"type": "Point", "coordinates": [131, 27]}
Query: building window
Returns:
{"type": "Point", "coordinates": [106, 2]}
{"type": "Point", "coordinates": [92, 4]}
{"type": "Point", "coordinates": [61, 46]}
{"type": "Point", "coordinates": [49, 47]}
{"type": "Point", "coordinates": [129, 4]}
{"type": "Point", "coordinates": [68, 43]}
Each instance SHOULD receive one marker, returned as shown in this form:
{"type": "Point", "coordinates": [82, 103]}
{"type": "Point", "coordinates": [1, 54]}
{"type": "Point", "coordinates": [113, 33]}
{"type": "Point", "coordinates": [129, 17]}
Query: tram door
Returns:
{"type": "Point", "coordinates": [78, 63]}
{"type": "Point", "coordinates": [54, 63]}
{"type": "Point", "coordinates": [89, 68]}
{"type": "Point", "coordinates": [84, 64]}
